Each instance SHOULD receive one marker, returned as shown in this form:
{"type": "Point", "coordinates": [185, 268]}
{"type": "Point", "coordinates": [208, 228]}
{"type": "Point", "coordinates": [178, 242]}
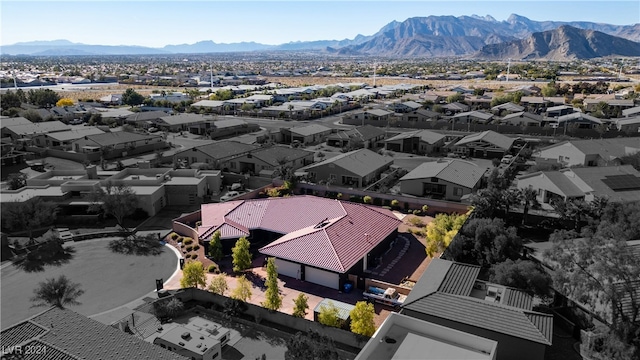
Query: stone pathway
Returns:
{"type": "Point", "coordinates": [403, 251]}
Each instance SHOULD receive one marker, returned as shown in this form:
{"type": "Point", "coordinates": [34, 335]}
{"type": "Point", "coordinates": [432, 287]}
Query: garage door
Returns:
{"type": "Point", "coordinates": [322, 277]}
{"type": "Point", "coordinates": [287, 268]}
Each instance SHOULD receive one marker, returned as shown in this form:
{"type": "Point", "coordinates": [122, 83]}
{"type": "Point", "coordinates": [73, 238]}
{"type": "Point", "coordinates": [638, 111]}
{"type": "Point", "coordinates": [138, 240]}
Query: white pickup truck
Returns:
{"type": "Point", "coordinates": [388, 296]}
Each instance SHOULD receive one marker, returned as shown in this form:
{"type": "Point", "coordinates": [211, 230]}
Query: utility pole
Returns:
{"type": "Point", "coordinates": [375, 67]}
{"type": "Point", "coordinates": [508, 69]}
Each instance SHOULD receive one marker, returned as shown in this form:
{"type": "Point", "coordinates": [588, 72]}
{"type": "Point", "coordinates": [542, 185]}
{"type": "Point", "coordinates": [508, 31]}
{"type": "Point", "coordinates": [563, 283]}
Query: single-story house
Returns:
{"type": "Point", "coordinates": [405, 107]}
{"type": "Point", "coordinates": [522, 118]}
{"type": "Point", "coordinates": [631, 111]}
{"type": "Point", "coordinates": [366, 136]}
{"type": "Point", "coordinates": [559, 110]}
{"type": "Point", "coordinates": [31, 130]}
{"type": "Point", "coordinates": [265, 160]}
{"type": "Point", "coordinates": [181, 122]}
{"type": "Point", "coordinates": [447, 179]}
{"type": "Point", "coordinates": [480, 117]}
{"type": "Point", "coordinates": [628, 125]}
{"type": "Point", "coordinates": [419, 141]}
{"type": "Point", "coordinates": [616, 183]}
{"type": "Point", "coordinates": [591, 104]}
{"type": "Point", "coordinates": [63, 140]}
{"type": "Point", "coordinates": [217, 155]}
{"type": "Point", "coordinates": [321, 241]}
{"type": "Point", "coordinates": [507, 107]}
{"type": "Point", "coordinates": [309, 134]}
{"type": "Point", "coordinates": [582, 120]}
{"type": "Point", "coordinates": [593, 152]}
{"type": "Point", "coordinates": [454, 108]}
{"type": "Point", "coordinates": [488, 144]}
{"type": "Point", "coordinates": [373, 115]}
{"type": "Point", "coordinates": [117, 144]}
{"type": "Point", "coordinates": [214, 105]}
{"type": "Point", "coordinates": [450, 294]}
{"type": "Point", "coordinates": [145, 119]}
{"type": "Point", "coordinates": [112, 99]}
{"type": "Point", "coordinates": [421, 116]}
{"type": "Point", "coordinates": [356, 168]}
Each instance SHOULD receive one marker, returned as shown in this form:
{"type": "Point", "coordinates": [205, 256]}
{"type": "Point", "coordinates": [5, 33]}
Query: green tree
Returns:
{"type": "Point", "coordinates": [193, 275]}
{"type": "Point", "coordinates": [272, 297]}
{"type": "Point", "coordinates": [330, 315]}
{"type": "Point", "coordinates": [10, 100]}
{"type": "Point", "coordinates": [442, 230]}
{"type": "Point", "coordinates": [601, 273]}
{"type": "Point", "coordinates": [168, 308]}
{"type": "Point", "coordinates": [215, 246]}
{"type": "Point", "coordinates": [117, 200]}
{"type": "Point", "coordinates": [242, 291]}
{"type": "Point", "coordinates": [44, 98]}
{"type": "Point", "coordinates": [455, 98]}
{"type": "Point", "coordinates": [522, 274]}
{"type": "Point", "coordinates": [218, 284]}
{"type": "Point", "coordinates": [241, 255]}
{"type": "Point", "coordinates": [362, 319]}
{"type": "Point", "coordinates": [58, 292]}
{"type": "Point", "coordinates": [222, 95]}
{"type": "Point", "coordinates": [549, 90]}
{"type": "Point", "coordinates": [132, 97]}
{"type": "Point", "coordinates": [529, 199]}
{"type": "Point", "coordinates": [17, 181]}
{"type": "Point", "coordinates": [300, 306]}
{"type": "Point", "coordinates": [485, 242]}
{"type": "Point", "coordinates": [310, 346]}
{"type": "Point", "coordinates": [31, 115]}
{"type": "Point", "coordinates": [29, 215]}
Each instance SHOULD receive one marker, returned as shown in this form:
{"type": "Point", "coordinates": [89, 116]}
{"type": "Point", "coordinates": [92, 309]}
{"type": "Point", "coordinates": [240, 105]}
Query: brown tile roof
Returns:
{"type": "Point", "coordinates": [69, 335]}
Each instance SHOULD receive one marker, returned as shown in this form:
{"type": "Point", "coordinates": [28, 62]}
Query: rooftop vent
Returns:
{"type": "Point", "coordinates": [322, 223]}
{"type": "Point", "coordinates": [181, 343]}
{"type": "Point", "coordinates": [185, 335]}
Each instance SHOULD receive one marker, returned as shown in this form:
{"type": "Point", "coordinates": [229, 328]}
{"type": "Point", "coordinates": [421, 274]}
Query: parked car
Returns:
{"type": "Point", "coordinates": [389, 296]}
{"type": "Point", "coordinates": [229, 195]}
{"type": "Point", "coordinates": [507, 159]}
{"type": "Point", "coordinates": [152, 129]}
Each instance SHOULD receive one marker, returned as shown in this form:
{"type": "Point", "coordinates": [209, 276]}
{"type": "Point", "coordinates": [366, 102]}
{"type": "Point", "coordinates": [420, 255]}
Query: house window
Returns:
{"type": "Point", "coordinates": [539, 192]}
{"type": "Point", "coordinates": [194, 159]}
{"type": "Point", "coordinates": [232, 165]}
{"type": "Point", "coordinates": [434, 179]}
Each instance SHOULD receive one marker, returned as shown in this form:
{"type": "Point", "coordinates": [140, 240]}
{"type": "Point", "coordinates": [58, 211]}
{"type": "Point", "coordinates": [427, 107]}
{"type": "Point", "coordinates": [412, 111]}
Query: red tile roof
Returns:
{"type": "Point", "coordinates": [351, 230]}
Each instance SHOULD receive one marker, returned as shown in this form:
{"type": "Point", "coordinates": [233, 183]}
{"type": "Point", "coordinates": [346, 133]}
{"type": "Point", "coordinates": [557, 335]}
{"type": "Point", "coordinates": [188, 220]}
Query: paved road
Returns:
{"type": "Point", "coordinates": [108, 279]}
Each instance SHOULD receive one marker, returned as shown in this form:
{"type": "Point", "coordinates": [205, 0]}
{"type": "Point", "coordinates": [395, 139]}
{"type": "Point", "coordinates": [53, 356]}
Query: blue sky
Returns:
{"type": "Point", "coordinates": [158, 23]}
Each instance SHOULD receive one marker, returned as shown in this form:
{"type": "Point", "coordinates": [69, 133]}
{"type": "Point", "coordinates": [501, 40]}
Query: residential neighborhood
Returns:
{"type": "Point", "coordinates": [323, 205]}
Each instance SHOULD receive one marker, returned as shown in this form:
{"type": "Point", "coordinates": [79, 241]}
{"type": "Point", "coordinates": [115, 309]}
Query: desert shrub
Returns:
{"type": "Point", "coordinates": [416, 222]}
{"type": "Point", "coordinates": [187, 241]}
{"type": "Point", "coordinates": [196, 247]}
{"type": "Point", "coordinates": [212, 268]}
{"type": "Point", "coordinates": [194, 256]}
{"type": "Point", "coordinates": [416, 212]}
{"type": "Point", "coordinates": [180, 239]}
{"type": "Point", "coordinates": [187, 256]}
{"type": "Point", "coordinates": [189, 248]}
{"type": "Point", "coordinates": [395, 203]}
{"type": "Point", "coordinates": [367, 199]}
{"type": "Point", "coordinates": [198, 223]}
{"type": "Point", "coordinates": [174, 236]}
{"type": "Point", "coordinates": [339, 196]}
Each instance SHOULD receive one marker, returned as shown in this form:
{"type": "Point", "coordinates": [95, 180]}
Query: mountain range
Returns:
{"type": "Point", "coordinates": [434, 36]}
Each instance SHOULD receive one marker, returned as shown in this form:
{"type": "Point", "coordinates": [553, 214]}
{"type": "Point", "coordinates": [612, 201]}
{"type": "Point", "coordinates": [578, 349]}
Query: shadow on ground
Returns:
{"type": "Point", "coordinates": [137, 245]}
{"type": "Point", "coordinates": [50, 253]}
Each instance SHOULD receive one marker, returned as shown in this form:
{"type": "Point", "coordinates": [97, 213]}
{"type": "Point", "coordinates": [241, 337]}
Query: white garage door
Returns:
{"type": "Point", "coordinates": [288, 268]}
{"type": "Point", "coordinates": [322, 277]}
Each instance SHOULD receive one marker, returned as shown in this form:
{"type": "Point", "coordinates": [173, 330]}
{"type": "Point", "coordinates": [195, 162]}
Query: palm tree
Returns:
{"type": "Point", "coordinates": [529, 198]}
{"type": "Point", "coordinates": [57, 292]}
